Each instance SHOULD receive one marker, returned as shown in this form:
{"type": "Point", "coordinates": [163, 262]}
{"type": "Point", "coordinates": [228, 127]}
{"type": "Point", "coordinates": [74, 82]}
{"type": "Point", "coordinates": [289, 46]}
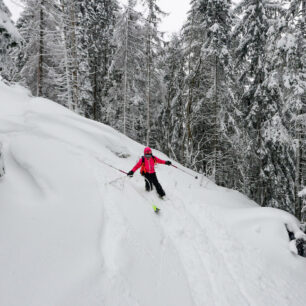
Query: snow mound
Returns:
{"type": "Point", "coordinates": [75, 232]}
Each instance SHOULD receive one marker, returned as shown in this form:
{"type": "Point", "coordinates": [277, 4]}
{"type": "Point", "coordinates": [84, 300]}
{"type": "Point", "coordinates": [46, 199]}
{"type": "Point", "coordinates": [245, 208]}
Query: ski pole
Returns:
{"type": "Point", "coordinates": [111, 166]}
{"type": "Point", "coordinates": [195, 176]}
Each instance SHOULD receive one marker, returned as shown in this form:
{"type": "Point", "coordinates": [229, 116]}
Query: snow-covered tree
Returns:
{"type": "Point", "coordinates": [261, 101]}
{"type": "Point", "coordinates": [127, 94]}
{"type": "Point", "coordinates": [279, 132]}
{"type": "Point", "coordinates": [40, 55]}
{"type": "Point", "coordinates": [171, 120]}
{"type": "Point", "coordinates": [293, 44]}
{"type": "Point", "coordinates": [99, 19]}
{"type": "Point", "coordinates": [153, 40]}
{"type": "Point", "coordinates": [211, 112]}
{"type": "Point", "coordinates": [219, 101]}
{"type": "Point", "coordinates": [196, 81]}
{"type": "Point", "coordinates": [67, 52]}
{"type": "Point", "coordinates": [9, 37]}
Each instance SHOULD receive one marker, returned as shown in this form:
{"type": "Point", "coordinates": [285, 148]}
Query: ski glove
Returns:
{"type": "Point", "coordinates": [168, 162]}
{"type": "Point", "coordinates": [130, 173]}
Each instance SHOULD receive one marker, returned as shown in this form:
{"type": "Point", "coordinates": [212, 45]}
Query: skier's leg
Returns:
{"type": "Point", "coordinates": [157, 185]}
{"type": "Point", "coordinates": [148, 182]}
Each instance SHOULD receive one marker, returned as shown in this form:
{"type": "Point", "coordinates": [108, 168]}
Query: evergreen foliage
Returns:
{"type": "Point", "coordinates": [171, 119]}
{"type": "Point", "coordinates": [128, 73]}
{"type": "Point", "coordinates": [9, 37]}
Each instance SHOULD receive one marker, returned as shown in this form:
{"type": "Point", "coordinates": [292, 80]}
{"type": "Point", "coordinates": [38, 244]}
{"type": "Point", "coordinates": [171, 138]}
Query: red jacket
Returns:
{"type": "Point", "coordinates": [148, 164]}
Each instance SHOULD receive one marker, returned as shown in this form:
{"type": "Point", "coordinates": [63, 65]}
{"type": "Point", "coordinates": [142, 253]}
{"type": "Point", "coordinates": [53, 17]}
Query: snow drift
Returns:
{"type": "Point", "coordinates": [74, 231]}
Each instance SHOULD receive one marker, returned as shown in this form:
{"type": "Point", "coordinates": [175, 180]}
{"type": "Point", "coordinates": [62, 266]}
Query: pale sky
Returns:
{"type": "Point", "coordinates": [177, 10]}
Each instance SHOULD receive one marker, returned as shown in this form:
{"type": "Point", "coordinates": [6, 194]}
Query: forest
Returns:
{"type": "Point", "coordinates": [225, 96]}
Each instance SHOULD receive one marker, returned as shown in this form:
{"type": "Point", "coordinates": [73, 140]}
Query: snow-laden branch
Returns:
{"type": "Point", "coordinates": [302, 193]}
{"type": "Point", "coordinates": [7, 24]}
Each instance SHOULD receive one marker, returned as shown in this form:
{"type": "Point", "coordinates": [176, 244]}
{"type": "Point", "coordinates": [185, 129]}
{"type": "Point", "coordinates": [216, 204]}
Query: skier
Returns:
{"type": "Point", "coordinates": [147, 163]}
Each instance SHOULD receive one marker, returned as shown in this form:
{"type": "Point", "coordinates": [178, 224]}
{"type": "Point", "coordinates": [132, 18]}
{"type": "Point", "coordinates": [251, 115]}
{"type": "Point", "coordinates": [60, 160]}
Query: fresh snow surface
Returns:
{"type": "Point", "coordinates": [76, 232]}
{"type": "Point", "coordinates": [2, 168]}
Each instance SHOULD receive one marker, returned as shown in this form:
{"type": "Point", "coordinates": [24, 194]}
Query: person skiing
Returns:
{"type": "Point", "coordinates": [147, 163]}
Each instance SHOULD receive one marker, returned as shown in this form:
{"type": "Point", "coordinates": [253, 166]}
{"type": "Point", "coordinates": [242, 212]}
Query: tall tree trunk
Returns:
{"type": "Point", "coordinates": [75, 92]}
{"type": "Point", "coordinates": [95, 92]}
{"type": "Point", "coordinates": [300, 127]}
{"type": "Point", "coordinates": [298, 176]}
{"type": "Point", "coordinates": [125, 68]}
{"type": "Point", "coordinates": [215, 137]}
{"type": "Point", "coordinates": [190, 89]}
{"type": "Point", "coordinates": [66, 52]}
{"type": "Point", "coordinates": [149, 84]}
{"type": "Point", "coordinates": [41, 50]}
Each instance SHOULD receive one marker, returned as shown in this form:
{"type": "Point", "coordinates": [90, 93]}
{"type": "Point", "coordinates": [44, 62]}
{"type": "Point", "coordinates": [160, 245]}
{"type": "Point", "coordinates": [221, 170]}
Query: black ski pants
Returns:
{"type": "Point", "coordinates": [151, 179]}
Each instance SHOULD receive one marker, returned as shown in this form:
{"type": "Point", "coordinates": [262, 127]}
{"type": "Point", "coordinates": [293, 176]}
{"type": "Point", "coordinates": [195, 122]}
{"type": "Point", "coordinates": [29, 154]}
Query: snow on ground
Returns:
{"type": "Point", "coordinates": [2, 167]}
{"type": "Point", "coordinates": [75, 232]}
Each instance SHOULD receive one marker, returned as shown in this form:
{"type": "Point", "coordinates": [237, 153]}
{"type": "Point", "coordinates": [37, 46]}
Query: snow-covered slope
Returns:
{"type": "Point", "coordinates": [75, 232]}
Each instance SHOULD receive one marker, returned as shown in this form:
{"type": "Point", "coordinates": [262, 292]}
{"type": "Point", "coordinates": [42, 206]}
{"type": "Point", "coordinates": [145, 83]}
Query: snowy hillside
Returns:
{"type": "Point", "coordinates": [76, 232]}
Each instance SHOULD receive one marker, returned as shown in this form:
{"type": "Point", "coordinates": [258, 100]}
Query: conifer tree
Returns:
{"type": "Point", "coordinates": [210, 111]}
{"type": "Point", "coordinates": [153, 39]}
{"type": "Point", "coordinates": [193, 38]}
{"type": "Point", "coordinates": [100, 25]}
{"type": "Point", "coordinates": [293, 47]}
{"type": "Point", "coordinates": [269, 160]}
{"type": "Point", "coordinates": [128, 72]}
{"type": "Point", "coordinates": [9, 37]}
{"type": "Point", "coordinates": [39, 56]}
{"type": "Point", "coordinates": [171, 120]}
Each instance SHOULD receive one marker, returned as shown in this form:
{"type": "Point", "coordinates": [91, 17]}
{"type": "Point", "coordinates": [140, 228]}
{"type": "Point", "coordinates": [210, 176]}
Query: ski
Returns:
{"type": "Point", "coordinates": [156, 209]}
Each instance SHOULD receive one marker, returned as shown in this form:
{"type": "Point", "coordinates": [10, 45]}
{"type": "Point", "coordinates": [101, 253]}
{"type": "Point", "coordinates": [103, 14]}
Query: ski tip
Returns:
{"type": "Point", "coordinates": [156, 209]}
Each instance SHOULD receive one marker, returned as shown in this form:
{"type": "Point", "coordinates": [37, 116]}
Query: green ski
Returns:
{"type": "Point", "coordinates": [156, 209]}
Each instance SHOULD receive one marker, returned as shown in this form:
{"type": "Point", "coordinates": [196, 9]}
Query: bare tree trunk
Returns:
{"type": "Point", "coordinates": [215, 137]}
{"type": "Point", "coordinates": [125, 68]}
{"type": "Point", "coordinates": [75, 92]}
{"type": "Point", "coordinates": [66, 50]}
{"type": "Point", "coordinates": [190, 91]}
{"type": "Point", "coordinates": [148, 84]}
{"type": "Point", "coordinates": [300, 127]}
{"type": "Point", "coordinates": [298, 202]}
{"type": "Point", "coordinates": [95, 92]}
{"type": "Point", "coordinates": [41, 51]}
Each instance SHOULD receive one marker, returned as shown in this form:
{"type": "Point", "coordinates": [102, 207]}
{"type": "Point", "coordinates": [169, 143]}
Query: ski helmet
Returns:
{"type": "Point", "coordinates": [147, 150]}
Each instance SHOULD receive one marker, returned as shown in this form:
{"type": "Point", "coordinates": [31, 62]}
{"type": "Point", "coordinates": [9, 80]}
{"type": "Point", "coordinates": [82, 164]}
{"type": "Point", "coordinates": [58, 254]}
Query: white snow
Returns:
{"type": "Point", "coordinates": [2, 167]}
{"type": "Point", "coordinates": [75, 232]}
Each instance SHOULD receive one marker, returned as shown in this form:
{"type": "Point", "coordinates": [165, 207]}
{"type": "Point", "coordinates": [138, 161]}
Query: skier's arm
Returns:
{"type": "Point", "coordinates": [159, 161]}
{"type": "Point", "coordinates": [137, 166]}
{"type": "Point", "coordinates": [164, 162]}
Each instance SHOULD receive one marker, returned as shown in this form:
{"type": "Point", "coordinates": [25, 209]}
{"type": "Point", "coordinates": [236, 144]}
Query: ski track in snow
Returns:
{"type": "Point", "coordinates": [215, 276]}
